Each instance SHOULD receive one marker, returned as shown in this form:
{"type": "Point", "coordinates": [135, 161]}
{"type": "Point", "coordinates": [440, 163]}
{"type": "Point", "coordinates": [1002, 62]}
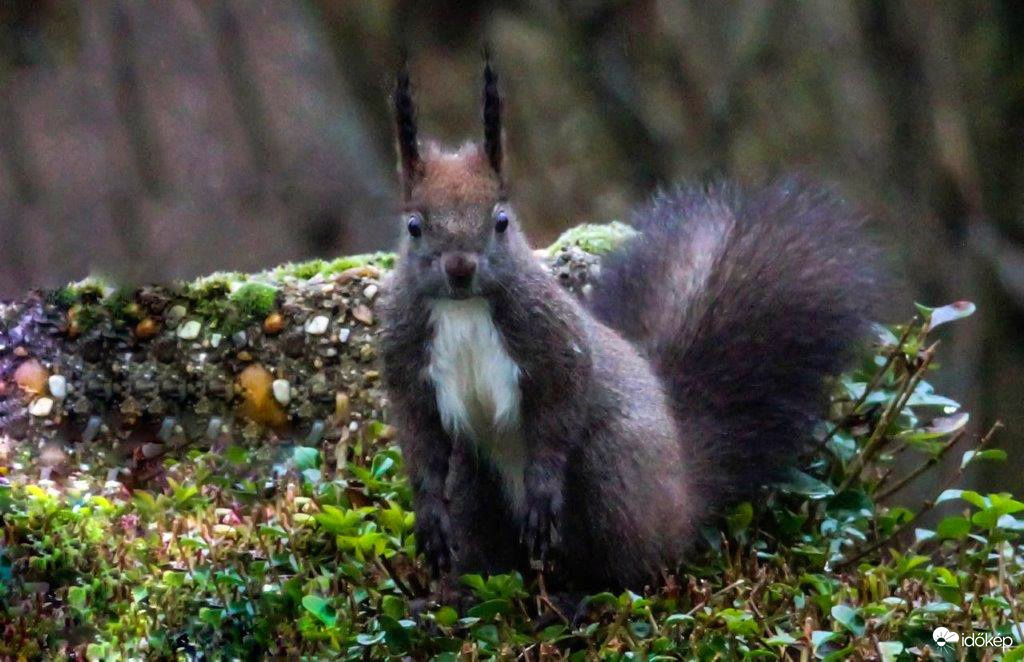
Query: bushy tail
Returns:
{"type": "Point", "coordinates": [744, 301]}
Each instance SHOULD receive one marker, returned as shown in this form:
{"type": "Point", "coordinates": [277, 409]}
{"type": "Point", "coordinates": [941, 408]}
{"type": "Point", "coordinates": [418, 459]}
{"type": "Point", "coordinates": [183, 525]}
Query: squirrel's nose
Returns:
{"type": "Point", "coordinates": [459, 267]}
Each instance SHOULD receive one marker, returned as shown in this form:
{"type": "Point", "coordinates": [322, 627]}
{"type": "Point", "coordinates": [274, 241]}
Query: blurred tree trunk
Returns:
{"type": "Point", "coordinates": [178, 138]}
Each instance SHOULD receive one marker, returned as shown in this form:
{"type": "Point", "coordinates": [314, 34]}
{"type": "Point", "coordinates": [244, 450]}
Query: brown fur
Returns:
{"type": "Point", "coordinates": [691, 378]}
{"type": "Point", "coordinates": [456, 178]}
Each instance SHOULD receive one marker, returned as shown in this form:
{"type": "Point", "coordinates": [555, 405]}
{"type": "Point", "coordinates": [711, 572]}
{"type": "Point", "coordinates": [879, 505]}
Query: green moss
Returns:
{"type": "Point", "coordinates": [212, 307]}
{"type": "Point", "coordinates": [379, 259]}
{"type": "Point", "coordinates": [119, 303]}
{"type": "Point", "coordinates": [301, 270]}
{"type": "Point", "coordinates": [593, 238]}
{"type": "Point", "coordinates": [65, 297]}
{"type": "Point", "coordinates": [88, 315]}
{"type": "Point", "coordinates": [208, 288]}
{"type": "Point", "coordinates": [223, 278]}
{"type": "Point", "coordinates": [255, 300]}
{"type": "Point", "coordinates": [90, 290]}
{"type": "Point", "coordinates": [311, 268]}
{"type": "Point", "coordinates": [208, 296]}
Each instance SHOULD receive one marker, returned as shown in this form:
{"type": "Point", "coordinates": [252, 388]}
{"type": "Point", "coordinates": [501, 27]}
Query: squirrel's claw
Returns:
{"type": "Point", "coordinates": [437, 553]}
{"type": "Point", "coordinates": [539, 533]}
{"type": "Point", "coordinates": [433, 538]}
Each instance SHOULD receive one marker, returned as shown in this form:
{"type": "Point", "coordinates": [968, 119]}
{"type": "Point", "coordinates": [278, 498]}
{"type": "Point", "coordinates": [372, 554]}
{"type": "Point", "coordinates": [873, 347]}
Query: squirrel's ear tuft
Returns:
{"type": "Point", "coordinates": [405, 122]}
{"type": "Point", "coordinates": [492, 116]}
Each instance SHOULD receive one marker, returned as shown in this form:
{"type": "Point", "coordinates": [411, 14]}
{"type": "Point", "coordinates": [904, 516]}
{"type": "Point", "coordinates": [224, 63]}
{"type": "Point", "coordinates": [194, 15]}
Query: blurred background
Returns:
{"type": "Point", "coordinates": [149, 141]}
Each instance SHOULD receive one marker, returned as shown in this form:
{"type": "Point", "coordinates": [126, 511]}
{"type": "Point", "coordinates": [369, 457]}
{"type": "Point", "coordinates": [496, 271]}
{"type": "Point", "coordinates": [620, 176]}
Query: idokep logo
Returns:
{"type": "Point", "coordinates": [945, 638]}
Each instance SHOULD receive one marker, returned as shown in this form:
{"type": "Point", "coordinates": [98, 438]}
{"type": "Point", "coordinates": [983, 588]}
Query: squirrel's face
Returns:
{"type": "Point", "coordinates": [461, 233]}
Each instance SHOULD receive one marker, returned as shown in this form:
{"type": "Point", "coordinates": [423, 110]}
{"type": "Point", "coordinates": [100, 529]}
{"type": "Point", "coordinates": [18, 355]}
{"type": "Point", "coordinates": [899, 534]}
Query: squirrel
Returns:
{"type": "Point", "coordinates": [594, 436]}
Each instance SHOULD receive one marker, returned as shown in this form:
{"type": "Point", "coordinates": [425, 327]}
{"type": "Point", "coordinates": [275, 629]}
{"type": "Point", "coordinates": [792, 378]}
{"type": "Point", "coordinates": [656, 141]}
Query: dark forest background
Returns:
{"type": "Point", "coordinates": [150, 141]}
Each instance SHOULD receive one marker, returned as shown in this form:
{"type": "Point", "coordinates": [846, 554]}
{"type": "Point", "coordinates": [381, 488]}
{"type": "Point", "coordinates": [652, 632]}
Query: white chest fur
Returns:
{"type": "Point", "coordinates": [477, 387]}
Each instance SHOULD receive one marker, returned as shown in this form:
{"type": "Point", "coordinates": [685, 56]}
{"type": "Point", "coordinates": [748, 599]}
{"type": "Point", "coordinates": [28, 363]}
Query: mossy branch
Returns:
{"type": "Point", "coordinates": [287, 353]}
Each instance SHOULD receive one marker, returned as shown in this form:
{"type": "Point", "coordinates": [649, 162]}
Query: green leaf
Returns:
{"type": "Point", "coordinates": [678, 619]}
{"type": "Point", "coordinates": [839, 655]}
{"type": "Point", "coordinates": [491, 608]}
{"type": "Point", "coordinates": [740, 518]}
{"type": "Point", "coordinates": [77, 596]}
{"type": "Point", "coordinates": [212, 617]}
{"type": "Point", "coordinates": [236, 455]}
{"type": "Point", "coordinates": [382, 464]}
{"type": "Point", "coordinates": [739, 622]}
{"type": "Point", "coordinates": [948, 313]}
{"type": "Point", "coordinates": [1014, 655]}
{"type": "Point", "coordinates": [173, 579]}
{"type": "Point", "coordinates": [506, 586]}
{"type": "Point", "coordinates": [322, 609]}
{"type": "Point", "coordinates": [446, 616]}
{"type": "Point", "coordinates": [850, 505]}
{"type": "Point", "coordinates": [475, 583]}
{"type": "Point", "coordinates": [890, 650]}
{"type": "Point", "coordinates": [939, 427]}
{"type": "Point", "coordinates": [606, 598]}
{"type": "Point", "coordinates": [1010, 523]}
{"type": "Point", "coordinates": [953, 528]}
{"type": "Point", "coordinates": [849, 618]}
{"type": "Point", "coordinates": [940, 607]}
{"type": "Point", "coordinates": [487, 634]}
{"type": "Point", "coordinates": [986, 519]}
{"type": "Point", "coordinates": [396, 636]}
{"type": "Point", "coordinates": [908, 563]}
{"type": "Point", "coordinates": [969, 496]}
{"type": "Point", "coordinates": [305, 457]}
{"type": "Point", "coordinates": [338, 521]}
{"type": "Point", "coordinates": [393, 606]}
{"type": "Point", "coordinates": [367, 639]}
{"type": "Point", "coordinates": [1005, 504]}
{"type": "Point", "coordinates": [995, 454]}
{"type": "Point", "coordinates": [781, 639]}
{"type": "Point", "coordinates": [803, 484]}
{"type": "Point", "coordinates": [821, 637]}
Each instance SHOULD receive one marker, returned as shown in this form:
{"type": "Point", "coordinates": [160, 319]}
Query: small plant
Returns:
{"type": "Point", "coordinates": [283, 551]}
{"type": "Point", "coordinates": [254, 300]}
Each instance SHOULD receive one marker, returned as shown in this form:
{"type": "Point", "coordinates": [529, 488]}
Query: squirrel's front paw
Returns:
{"type": "Point", "coordinates": [540, 527]}
{"type": "Point", "coordinates": [433, 536]}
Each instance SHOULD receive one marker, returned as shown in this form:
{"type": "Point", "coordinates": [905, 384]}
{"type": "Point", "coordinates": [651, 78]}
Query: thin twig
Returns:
{"type": "Point", "coordinates": [875, 380]}
{"type": "Point", "coordinates": [924, 466]}
{"type": "Point", "coordinates": [543, 598]}
{"type": "Point", "coordinates": [926, 359]}
{"type": "Point", "coordinates": [896, 405]}
{"type": "Point", "coordinates": [1008, 594]}
{"type": "Point", "coordinates": [385, 564]}
{"type": "Point", "coordinates": [926, 507]}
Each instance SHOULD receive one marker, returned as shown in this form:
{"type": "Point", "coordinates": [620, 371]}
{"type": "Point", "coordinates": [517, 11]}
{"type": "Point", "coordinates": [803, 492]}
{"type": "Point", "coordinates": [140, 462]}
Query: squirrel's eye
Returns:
{"type": "Point", "coordinates": [500, 220]}
{"type": "Point", "coordinates": [415, 225]}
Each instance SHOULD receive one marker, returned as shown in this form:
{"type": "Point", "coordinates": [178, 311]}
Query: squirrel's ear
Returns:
{"type": "Point", "coordinates": [492, 117]}
{"type": "Point", "coordinates": [405, 122]}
